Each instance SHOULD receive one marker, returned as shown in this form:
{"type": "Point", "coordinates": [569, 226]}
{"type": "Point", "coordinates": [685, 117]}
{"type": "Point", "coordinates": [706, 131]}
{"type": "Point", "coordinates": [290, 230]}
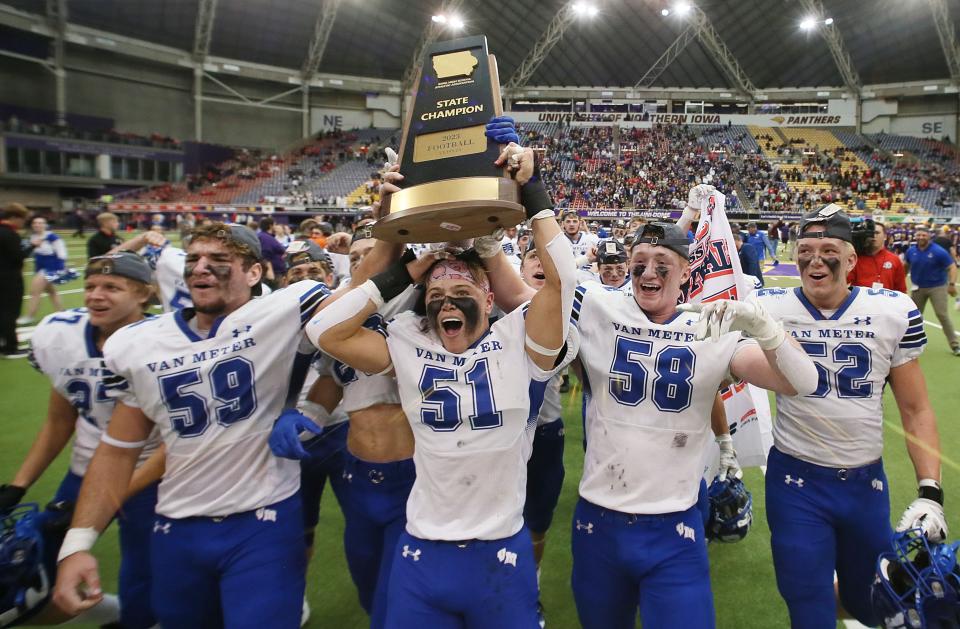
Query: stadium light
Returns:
{"type": "Point", "coordinates": [683, 8]}
{"type": "Point", "coordinates": [585, 9]}
{"type": "Point", "coordinates": [808, 23]}
{"type": "Point", "coordinates": [664, 12]}
{"type": "Point", "coordinates": [439, 19]}
{"type": "Point", "coordinates": [456, 23]}
{"type": "Point", "coordinates": [828, 21]}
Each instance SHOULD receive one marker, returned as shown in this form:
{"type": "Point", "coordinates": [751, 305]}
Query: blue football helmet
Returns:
{"type": "Point", "coordinates": [917, 585]}
{"type": "Point", "coordinates": [24, 581]}
{"type": "Point", "coordinates": [731, 510]}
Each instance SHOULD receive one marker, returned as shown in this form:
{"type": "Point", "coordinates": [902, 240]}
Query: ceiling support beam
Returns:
{"type": "Point", "coordinates": [321, 35]}
{"type": "Point", "coordinates": [550, 38]}
{"type": "Point", "coordinates": [712, 41]}
{"type": "Point", "coordinates": [670, 54]}
{"type": "Point", "coordinates": [430, 35]}
{"type": "Point", "coordinates": [701, 28]}
{"type": "Point", "coordinates": [202, 36]}
{"type": "Point", "coordinates": [948, 37]}
{"type": "Point", "coordinates": [835, 43]}
{"type": "Point", "coordinates": [57, 19]}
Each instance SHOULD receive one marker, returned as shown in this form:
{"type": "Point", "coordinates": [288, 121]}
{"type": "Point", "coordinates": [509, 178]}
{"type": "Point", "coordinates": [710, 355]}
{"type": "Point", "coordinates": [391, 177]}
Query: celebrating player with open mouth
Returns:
{"type": "Point", "coordinates": [213, 379]}
{"type": "Point", "coordinates": [828, 500]}
{"type": "Point", "coordinates": [466, 557]}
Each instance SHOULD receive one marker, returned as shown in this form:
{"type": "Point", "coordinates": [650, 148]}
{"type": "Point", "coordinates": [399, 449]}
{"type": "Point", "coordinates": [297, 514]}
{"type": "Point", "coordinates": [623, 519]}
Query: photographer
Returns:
{"type": "Point", "coordinates": [876, 266]}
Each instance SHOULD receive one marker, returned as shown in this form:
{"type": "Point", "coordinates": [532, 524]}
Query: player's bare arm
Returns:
{"type": "Point", "coordinates": [53, 437]}
{"type": "Point", "coordinates": [916, 414]}
{"type": "Point", "coordinates": [104, 490]}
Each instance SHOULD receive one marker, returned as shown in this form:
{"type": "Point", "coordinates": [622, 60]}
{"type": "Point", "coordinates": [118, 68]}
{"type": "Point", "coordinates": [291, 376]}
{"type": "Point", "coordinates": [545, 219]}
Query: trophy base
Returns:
{"type": "Point", "coordinates": [451, 209]}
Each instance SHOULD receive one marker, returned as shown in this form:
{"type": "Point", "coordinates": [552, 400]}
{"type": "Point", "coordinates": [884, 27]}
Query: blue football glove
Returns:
{"type": "Point", "coordinates": [285, 437]}
{"type": "Point", "coordinates": [502, 130]}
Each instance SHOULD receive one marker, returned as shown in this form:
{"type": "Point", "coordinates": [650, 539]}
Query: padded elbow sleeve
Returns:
{"type": "Point", "coordinates": [797, 368]}
{"type": "Point", "coordinates": [345, 307]}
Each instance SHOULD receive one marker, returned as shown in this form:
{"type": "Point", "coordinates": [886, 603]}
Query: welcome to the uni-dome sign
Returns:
{"type": "Point", "coordinates": [649, 119]}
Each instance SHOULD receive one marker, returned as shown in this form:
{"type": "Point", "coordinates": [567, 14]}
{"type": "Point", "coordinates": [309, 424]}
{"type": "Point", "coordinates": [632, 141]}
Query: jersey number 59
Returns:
{"type": "Point", "coordinates": [230, 386]}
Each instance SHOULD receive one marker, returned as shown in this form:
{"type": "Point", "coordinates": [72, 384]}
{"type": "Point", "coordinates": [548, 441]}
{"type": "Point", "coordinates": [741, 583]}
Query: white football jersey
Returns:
{"type": "Point", "coordinates": [509, 246]}
{"type": "Point", "coordinates": [215, 399]}
{"type": "Point", "coordinates": [551, 408]}
{"type": "Point", "coordinates": [64, 348]}
{"type": "Point", "coordinates": [167, 264]}
{"type": "Point", "coordinates": [361, 390]}
{"type": "Point", "coordinates": [582, 245]}
{"type": "Point", "coordinates": [650, 390]}
{"type": "Point", "coordinates": [469, 413]}
{"type": "Point", "coordinates": [841, 423]}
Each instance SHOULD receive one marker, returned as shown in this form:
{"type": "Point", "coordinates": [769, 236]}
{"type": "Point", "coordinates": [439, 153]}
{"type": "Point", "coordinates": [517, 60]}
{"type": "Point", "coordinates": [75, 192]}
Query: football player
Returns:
{"type": "Point", "coordinates": [465, 558]}
{"type": "Point", "coordinates": [580, 241]}
{"type": "Point", "coordinates": [377, 470]}
{"type": "Point", "coordinates": [67, 348]}
{"type": "Point", "coordinates": [827, 496]}
{"type": "Point", "coordinates": [638, 534]}
{"type": "Point", "coordinates": [213, 379]}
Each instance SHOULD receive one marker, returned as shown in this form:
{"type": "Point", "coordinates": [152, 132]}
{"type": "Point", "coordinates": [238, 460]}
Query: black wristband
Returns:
{"type": "Point", "coordinates": [931, 493]}
{"type": "Point", "coordinates": [396, 278]}
{"type": "Point", "coordinates": [535, 198]}
{"type": "Point", "coordinates": [10, 496]}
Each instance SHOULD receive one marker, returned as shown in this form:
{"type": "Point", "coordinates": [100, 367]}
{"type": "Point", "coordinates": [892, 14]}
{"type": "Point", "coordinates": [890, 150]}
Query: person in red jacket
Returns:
{"type": "Point", "coordinates": [877, 266]}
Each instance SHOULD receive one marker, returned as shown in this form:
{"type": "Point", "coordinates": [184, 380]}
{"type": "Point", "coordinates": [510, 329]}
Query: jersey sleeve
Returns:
{"type": "Point", "coordinates": [911, 343]}
{"type": "Point", "coordinates": [40, 355]}
{"type": "Point", "coordinates": [572, 345]}
{"type": "Point", "coordinates": [310, 298]}
{"type": "Point", "coordinates": [115, 377]}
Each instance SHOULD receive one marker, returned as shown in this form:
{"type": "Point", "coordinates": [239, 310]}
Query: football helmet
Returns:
{"type": "Point", "coordinates": [731, 510]}
{"type": "Point", "coordinates": [917, 585]}
{"type": "Point", "coordinates": [24, 582]}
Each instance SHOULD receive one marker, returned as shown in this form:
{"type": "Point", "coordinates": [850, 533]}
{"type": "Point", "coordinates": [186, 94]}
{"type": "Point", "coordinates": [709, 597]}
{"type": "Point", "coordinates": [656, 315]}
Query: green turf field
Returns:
{"type": "Point", "coordinates": [743, 582]}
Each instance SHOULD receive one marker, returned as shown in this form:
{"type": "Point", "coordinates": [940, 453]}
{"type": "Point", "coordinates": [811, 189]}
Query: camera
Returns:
{"type": "Point", "coordinates": [863, 231]}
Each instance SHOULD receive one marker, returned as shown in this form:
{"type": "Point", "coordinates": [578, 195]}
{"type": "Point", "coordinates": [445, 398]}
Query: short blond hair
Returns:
{"type": "Point", "coordinates": [104, 217]}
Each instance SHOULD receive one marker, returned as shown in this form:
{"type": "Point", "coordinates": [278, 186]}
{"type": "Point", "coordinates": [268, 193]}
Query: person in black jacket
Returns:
{"type": "Point", "coordinates": [13, 251]}
{"type": "Point", "coordinates": [106, 237]}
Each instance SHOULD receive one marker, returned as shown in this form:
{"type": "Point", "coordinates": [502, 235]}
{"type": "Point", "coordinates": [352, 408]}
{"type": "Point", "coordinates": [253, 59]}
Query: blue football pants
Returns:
{"type": "Point", "coordinates": [463, 585]}
{"type": "Point", "coordinates": [657, 563]}
{"type": "Point", "coordinates": [824, 519]}
{"type": "Point", "coordinates": [241, 571]}
{"type": "Point", "coordinates": [375, 514]}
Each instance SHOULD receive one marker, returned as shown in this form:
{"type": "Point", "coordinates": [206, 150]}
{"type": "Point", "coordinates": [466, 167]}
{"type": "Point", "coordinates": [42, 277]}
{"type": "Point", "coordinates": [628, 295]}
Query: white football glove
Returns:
{"type": "Point", "coordinates": [698, 194]}
{"type": "Point", "coordinates": [926, 515]}
{"type": "Point", "coordinates": [722, 316]}
{"type": "Point", "coordinates": [729, 466]}
{"type": "Point", "coordinates": [392, 158]}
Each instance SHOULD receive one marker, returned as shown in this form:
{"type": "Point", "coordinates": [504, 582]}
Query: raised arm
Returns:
{"type": "Point", "coordinates": [547, 319]}
{"type": "Point", "coordinates": [509, 289]}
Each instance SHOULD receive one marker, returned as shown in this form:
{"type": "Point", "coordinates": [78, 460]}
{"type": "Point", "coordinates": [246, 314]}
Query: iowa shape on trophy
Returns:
{"type": "Point", "coordinates": [451, 188]}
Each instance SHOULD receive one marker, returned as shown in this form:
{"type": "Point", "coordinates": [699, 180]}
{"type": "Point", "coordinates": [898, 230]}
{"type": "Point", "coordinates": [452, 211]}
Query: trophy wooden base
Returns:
{"type": "Point", "coordinates": [450, 209]}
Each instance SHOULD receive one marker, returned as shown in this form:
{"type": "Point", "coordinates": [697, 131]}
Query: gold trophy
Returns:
{"type": "Point", "coordinates": [451, 189]}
